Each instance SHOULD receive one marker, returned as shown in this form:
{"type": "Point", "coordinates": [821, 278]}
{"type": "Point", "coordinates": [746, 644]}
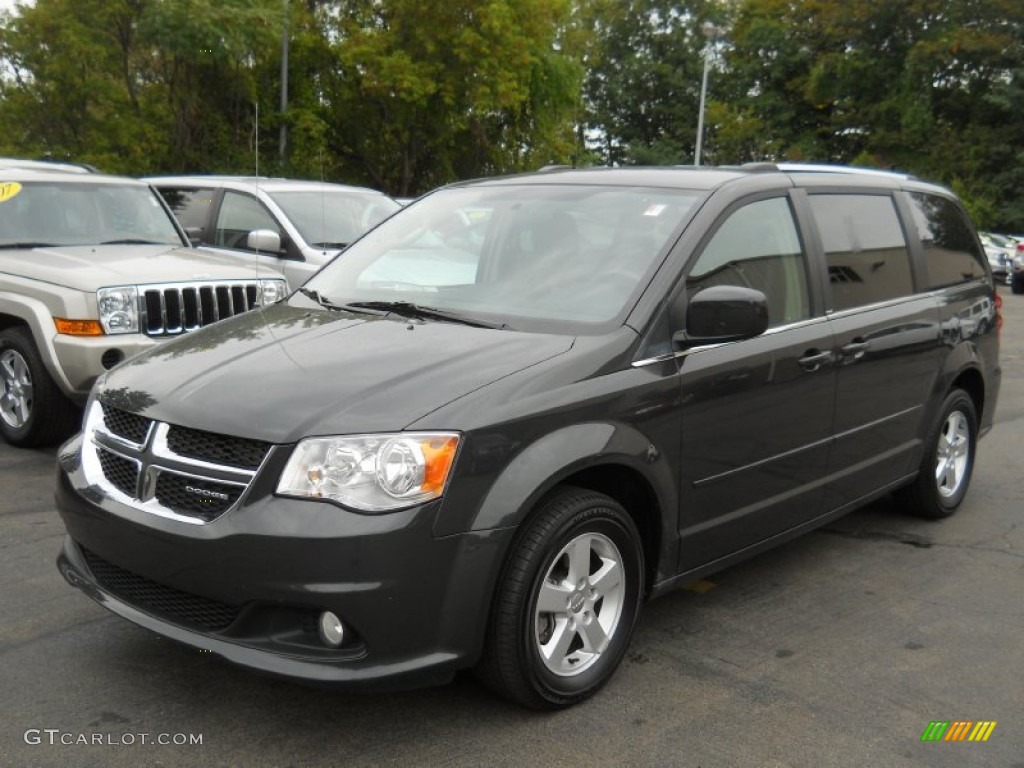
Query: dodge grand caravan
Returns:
{"type": "Point", "coordinates": [521, 407]}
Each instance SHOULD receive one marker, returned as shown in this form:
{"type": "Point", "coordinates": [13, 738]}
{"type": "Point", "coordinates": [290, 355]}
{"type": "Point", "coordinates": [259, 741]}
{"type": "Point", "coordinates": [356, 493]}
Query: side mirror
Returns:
{"type": "Point", "coordinates": [264, 240]}
{"type": "Point", "coordinates": [194, 235]}
{"type": "Point", "coordinates": [723, 313]}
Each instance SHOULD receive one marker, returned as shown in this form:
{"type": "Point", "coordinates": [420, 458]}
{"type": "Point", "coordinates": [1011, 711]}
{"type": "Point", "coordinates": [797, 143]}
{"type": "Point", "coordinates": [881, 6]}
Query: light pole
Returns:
{"type": "Point", "coordinates": [711, 33]}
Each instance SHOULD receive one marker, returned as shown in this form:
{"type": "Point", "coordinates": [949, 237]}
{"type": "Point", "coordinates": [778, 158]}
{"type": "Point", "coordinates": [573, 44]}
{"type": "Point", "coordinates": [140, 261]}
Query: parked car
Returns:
{"type": "Point", "coordinates": [1000, 251]}
{"type": "Point", "coordinates": [1017, 274]}
{"type": "Point", "coordinates": [296, 226]}
{"type": "Point", "coordinates": [44, 165]}
{"type": "Point", "coordinates": [521, 406]}
{"type": "Point", "coordinates": [94, 269]}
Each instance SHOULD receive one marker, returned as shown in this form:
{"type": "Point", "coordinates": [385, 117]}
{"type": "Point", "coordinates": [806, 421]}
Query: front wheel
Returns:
{"type": "Point", "coordinates": [948, 461]}
{"type": "Point", "coordinates": [33, 412]}
{"type": "Point", "coordinates": [567, 603]}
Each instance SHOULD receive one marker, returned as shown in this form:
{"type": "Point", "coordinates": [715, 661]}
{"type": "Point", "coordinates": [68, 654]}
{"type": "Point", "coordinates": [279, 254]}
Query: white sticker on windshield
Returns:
{"type": "Point", "coordinates": [655, 209]}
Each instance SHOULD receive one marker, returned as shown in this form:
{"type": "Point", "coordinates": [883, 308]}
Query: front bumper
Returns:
{"type": "Point", "coordinates": [414, 606]}
{"type": "Point", "coordinates": [80, 359]}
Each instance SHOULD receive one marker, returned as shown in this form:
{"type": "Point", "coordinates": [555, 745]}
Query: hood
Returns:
{"type": "Point", "coordinates": [88, 267]}
{"type": "Point", "coordinates": [284, 373]}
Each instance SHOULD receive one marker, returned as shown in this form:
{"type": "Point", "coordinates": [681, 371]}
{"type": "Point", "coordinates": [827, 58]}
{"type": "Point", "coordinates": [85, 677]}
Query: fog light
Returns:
{"type": "Point", "coordinates": [332, 631]}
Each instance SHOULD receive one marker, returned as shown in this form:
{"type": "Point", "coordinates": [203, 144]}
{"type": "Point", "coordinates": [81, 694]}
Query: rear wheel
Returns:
{"type": "Point", "coordinates": [567, 602]}
{"type": "Point", "coordinates": [948, 462]}
{"type": "Point", "coordinates": [33, 411]}
{"type": "Point", "coordinates": [1017, 282]}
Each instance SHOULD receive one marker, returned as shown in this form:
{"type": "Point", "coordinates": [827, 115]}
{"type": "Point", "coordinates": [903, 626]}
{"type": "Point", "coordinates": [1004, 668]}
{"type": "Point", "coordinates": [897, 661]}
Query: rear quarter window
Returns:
{"type": "Point", "coordinates": [951, 251]}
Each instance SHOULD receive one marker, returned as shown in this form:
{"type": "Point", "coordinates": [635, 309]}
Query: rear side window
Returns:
{"type": "Point", "coordinates": [951, 252]}
{"type": "Point", "coordinates": [190, 206]}
{"type": "Point", "coordinates": [866, 249]}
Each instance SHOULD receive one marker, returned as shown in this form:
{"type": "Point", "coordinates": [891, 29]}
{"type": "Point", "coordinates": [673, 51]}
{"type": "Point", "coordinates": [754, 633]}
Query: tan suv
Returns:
{"type": "Point", "coordinates": [94, 269]}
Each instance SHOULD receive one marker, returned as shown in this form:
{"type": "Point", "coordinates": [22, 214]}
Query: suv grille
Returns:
{"type": "Point", "coordinates": [180, 607]}
{"type": "Point", "coordinates": [217, 449]}
{"type": "Point", "coordinates": [169, 310]}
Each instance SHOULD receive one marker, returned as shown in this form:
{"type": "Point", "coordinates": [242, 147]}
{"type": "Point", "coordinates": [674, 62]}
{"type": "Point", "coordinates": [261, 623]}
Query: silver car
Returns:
{"type": "Point", "coordinates": [293, 226]}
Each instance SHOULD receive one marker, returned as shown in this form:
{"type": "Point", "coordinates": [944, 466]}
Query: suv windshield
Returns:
{"type": "Point", "coordinates": [553, 253]}
{"type": "Point", "coordinates": [82, 213]}
{"type": "Point", "coordinates": [332, 218]}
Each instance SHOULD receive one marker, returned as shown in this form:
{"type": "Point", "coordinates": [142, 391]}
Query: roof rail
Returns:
{"type": "Point", "coordinates": [850, 169]}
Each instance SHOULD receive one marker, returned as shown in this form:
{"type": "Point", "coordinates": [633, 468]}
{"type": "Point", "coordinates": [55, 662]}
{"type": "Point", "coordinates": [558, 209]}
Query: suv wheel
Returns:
{"type": "Point", "coordinates": [33, 411]}
{"type": "Point", "coordinates": [946, 468]}
{"type": "Point", "coordinates": [567, 603]}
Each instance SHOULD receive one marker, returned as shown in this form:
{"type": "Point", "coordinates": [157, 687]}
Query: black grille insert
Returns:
{"type": "Point", "coordinates": [120, 472]}
{"type": "Point", "coordinates": [217, 449]}
{"type": "Point", "coordinates": [173, 604]}
{"type": "Point", "coordinates": [195, 497]}
{"type": "Point", "coordinates": [130, 426]}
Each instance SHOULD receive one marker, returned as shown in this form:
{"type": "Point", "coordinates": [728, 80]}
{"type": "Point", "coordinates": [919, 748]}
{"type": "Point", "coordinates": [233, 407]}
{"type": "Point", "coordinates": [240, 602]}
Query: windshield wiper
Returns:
{"type": "Point", "coordinates": [27, 244]}
{"type": "Point", "coordinates": [315, 296]}
{"type": "Point", "coordinates": [135, 241]}
{"type": "Point", "coordinates": [408, 309]}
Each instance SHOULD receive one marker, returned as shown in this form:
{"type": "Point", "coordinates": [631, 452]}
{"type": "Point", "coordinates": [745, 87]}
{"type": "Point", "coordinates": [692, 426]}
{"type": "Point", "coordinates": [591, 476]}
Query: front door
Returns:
{"type": "Point", "coordinates": [757, 414]}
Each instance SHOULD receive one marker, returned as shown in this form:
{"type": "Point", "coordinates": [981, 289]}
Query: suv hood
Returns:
{"type": "Point", "coordinates": [284, 373]}
{"type": "Point", "coordinates": [88, 267]}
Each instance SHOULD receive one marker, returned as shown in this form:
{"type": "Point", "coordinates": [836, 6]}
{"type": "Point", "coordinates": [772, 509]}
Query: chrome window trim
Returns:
{"type": "Point", "coordinates": [667, 356]}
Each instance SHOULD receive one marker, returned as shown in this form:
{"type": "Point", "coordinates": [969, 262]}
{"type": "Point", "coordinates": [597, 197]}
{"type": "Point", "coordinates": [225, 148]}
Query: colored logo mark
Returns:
{"type": "Point", "coordinates": [958, 730]}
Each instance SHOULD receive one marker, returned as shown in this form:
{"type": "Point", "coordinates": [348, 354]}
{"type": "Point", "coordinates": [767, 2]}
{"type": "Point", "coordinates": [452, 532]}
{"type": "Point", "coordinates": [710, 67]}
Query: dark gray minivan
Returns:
{"type": "Point", "coordinates": [521, 406]}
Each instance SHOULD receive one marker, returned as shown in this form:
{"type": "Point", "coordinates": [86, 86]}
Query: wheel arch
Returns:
{"type": "Point", "coordinates": [614, 459]}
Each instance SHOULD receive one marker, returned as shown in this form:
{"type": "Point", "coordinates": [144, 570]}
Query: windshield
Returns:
{"type": "Point", "coordinates": [333, 218]}
{"type": "Point", "coordinates": [62, 214]}
{"type": "Point", "coordinates": [513, 253]}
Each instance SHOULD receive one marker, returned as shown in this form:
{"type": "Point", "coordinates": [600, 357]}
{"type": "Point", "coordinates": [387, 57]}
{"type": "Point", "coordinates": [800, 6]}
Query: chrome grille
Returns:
{"type": "Point", "coordinates": [218, 449]}
{"type": "Point", "coordinates": [188, 496]}
{"type": "Point", "coordinates": [177, 472]}
{"type": "Point", "coordinates": [168, 310]}
{"type": "Point", "coordinates": [130, 426]}
{"type": "Point", "coordinates": [120, 472]}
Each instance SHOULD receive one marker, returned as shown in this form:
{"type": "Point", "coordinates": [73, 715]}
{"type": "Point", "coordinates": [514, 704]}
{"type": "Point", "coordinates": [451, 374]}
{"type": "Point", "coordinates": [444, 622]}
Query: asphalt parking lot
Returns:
{"type": "Point", "coordinates": [837, 649]}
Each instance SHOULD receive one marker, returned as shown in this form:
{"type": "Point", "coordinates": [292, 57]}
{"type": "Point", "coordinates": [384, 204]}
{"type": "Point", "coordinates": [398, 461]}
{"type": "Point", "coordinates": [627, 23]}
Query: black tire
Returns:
{"type": "Point", "coordinates": [516, 663]}
{"type": "Point", "coordinates": [951, 443]}
{"type": "Point", "coordinates": [1017, 284]}
{"type": "Point", "coordinates": [45, 416]}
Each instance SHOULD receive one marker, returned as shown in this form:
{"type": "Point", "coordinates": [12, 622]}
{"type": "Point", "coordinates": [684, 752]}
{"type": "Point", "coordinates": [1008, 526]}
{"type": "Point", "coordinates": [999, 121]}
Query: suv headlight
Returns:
{"type": "Point", "coordinates": [371, 473]}
{"type": "Point", "coordinates": [273, 291]}
{"type": "Point", "coordinates": [119, 309]}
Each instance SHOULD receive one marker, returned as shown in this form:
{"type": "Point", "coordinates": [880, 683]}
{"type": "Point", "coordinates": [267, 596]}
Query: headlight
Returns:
{"type": "Point", "coordinates": [273, 291]}
{"type": "Point", "coordinates": [371, 473]}
{"type": "Point", "coordinates": [119, 309]}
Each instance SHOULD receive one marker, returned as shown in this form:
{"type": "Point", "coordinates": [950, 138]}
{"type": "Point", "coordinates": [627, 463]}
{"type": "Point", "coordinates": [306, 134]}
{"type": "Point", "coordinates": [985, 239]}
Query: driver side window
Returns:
{"type": "Point", "coordinates": [238, 216]}
{"type": "Point", "coordinates": [758, 247]}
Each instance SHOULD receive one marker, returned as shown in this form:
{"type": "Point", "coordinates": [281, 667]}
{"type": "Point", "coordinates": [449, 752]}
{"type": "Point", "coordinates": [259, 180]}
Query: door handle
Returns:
{"type": "Point", "coordinates": [854, 350]}
{"type": "Point", "coordinates": [813, 359]}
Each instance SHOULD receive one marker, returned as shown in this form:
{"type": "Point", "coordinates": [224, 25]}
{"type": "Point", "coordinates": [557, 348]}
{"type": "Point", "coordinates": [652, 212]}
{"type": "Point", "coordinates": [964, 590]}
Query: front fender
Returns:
{"type": "Point", "coordinates": [548, 461]}
{"type": "Point", "coordinates": [36, 316]}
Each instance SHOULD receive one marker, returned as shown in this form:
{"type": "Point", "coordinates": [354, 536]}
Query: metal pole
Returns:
{"type": "Point", "coordinates": [283, 141]}
{"type": "Point", "coordinates": [700, 114]}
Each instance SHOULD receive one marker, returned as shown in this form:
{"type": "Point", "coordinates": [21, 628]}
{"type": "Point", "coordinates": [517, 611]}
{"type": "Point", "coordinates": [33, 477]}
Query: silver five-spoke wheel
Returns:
{"type": "Point", "coordinates": [580, 604]}
{"type": "Point", "coordinates": [952, 454]}
{"type": "Point", "coordinates": [567, 601]}
{"type": "Point", "coordinates": [16, 399]}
